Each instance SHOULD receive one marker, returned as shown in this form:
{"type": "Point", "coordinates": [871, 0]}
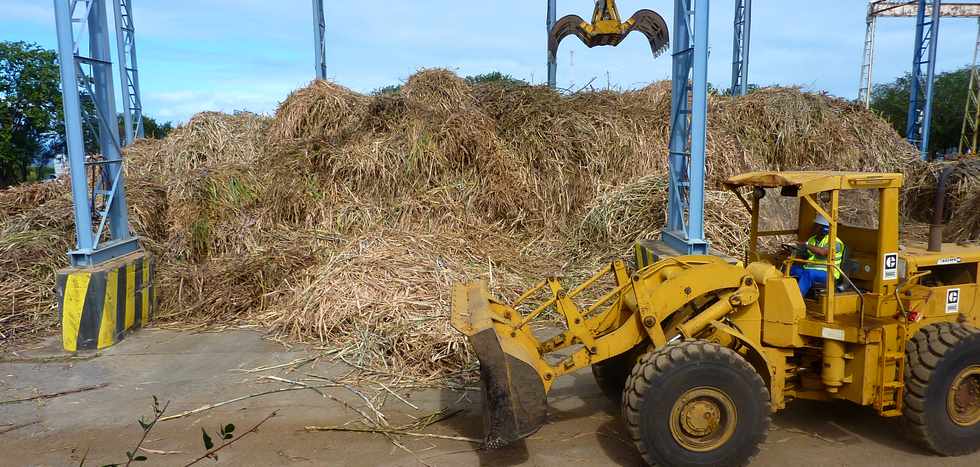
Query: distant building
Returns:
{"type": "Point", "coordinates": [60, 164]}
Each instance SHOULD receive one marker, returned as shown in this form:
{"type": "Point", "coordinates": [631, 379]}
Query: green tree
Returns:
{"type": "Point", "coordinates": [156, 130]}
{"type": "Point", "coordinates": [891, 101]}
{"type": "Point", "coordinates": [495, 77]}
{"type": "Point", "coordinates": [30, 107]}
{"type": "Point", "coordinates": [151, 128]}
{"type": "Point", "coordinates": [31, 115]}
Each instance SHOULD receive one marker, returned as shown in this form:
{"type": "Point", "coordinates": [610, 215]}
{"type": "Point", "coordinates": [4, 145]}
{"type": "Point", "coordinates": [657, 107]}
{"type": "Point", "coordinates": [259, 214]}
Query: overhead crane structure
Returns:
{"type": "Point", "coordinates": [740, 45]}
{"type": "Point", "coordinates": [927, 15]}
{"type": "Point", "coordinates": [971, 117]}
{"type": "Point", "coordinates": [129, 77]}
{"type": "Point", "coordinates": [101, 215]}
{"type": "Point", "coordinates": [684, 233]}
{"type": "Point", "coordinates": [108, 288]}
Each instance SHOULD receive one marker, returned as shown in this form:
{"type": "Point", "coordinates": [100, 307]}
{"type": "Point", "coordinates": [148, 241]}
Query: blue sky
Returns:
{"type": "Point", "coordinates": [249, 54]}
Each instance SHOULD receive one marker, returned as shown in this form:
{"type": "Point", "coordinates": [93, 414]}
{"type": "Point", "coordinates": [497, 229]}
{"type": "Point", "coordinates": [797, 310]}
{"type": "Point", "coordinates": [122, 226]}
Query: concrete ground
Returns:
{"type": "Point", "coordinates": [191, 370]}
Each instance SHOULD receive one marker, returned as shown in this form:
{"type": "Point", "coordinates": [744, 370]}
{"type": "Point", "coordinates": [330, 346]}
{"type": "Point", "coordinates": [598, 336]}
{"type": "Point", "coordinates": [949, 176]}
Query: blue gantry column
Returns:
{"type": "Point", "coordinates": [919, 118]}
{"type": "Point", "coordinates": [689, 107]}
{"type": "Point", "coordinates": [128, 71]}
{"type": "Point", "coordinates": [319, 41]}
{"type": "Point", "coordinates": [740, 47]}
{"type": "Point", "coordinates": [101, 211]}
{"type": "Point", "coordinates": [108, 289]}
{"type": "Point", "coordinates": [552, 59]}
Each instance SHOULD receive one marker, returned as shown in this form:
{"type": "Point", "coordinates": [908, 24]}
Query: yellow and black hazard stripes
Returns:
{"type": "Point", "coordinates": [99, 305]}
{"type": "Point", "coordinates": [644, 256]}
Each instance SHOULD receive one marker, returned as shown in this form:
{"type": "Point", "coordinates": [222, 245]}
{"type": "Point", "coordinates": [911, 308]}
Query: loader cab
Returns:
{"type": "Point", "coordinates": [862, 209]}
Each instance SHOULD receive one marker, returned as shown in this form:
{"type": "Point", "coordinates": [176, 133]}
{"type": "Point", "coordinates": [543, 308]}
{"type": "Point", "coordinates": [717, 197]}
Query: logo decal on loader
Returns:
{"type": "Point", "coordinates": [953, 301]}
{"type": "Point", "coordinates": [890, 271]}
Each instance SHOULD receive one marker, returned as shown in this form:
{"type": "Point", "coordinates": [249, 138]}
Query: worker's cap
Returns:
{"type": "Point", "coordinates": [821, 220]}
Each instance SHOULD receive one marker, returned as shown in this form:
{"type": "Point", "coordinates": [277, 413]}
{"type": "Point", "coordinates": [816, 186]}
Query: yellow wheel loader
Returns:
{"type": "Point", "coordinates": [702, 349]}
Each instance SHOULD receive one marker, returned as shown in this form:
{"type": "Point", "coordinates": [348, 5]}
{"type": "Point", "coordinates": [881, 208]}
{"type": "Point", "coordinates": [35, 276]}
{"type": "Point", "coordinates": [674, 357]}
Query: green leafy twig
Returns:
{"type": "Point", "coordinates": [133, 456]}
{"type": "Point", "coordinates": [226, 433]}
{"type": "Point", "coordinates": [158, 411]}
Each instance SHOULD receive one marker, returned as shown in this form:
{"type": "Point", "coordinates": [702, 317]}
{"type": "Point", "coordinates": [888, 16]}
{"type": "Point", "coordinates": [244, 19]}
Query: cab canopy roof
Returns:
{"type": "Point", "coordinates": [806, 183]}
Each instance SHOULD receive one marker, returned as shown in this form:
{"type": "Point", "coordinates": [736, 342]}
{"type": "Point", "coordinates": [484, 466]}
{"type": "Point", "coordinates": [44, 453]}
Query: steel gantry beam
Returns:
{"type": "Point", "coordinates": [909, 9]}
{"type": "Point", "coordinates": [923, 77]}
{"type": "Point", "coordinates": [552, 59]}
{"type": "Point", "coordinates": [740, 47]}
{"type": "Point", "coordinates": [688, 128]}
{"type": "Point", "coordinates": [101, 214]}
{"type": "Point", "coordinates": [971, 118]}
{"type": "Point", "coordinates": [319, 39]}
{"type": "Point", "coordinates": [129, 75]}
{"type": "Point", "coordinates": [899, 9]}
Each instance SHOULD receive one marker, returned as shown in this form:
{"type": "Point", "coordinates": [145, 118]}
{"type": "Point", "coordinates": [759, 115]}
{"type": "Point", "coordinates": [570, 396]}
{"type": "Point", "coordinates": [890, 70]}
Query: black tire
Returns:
{"type": "Point", "coordinates": [661, 378]}
{"type": "Point", "coordinates": [936, 356]}
{"type": "Point", "coordinates": [610, 375]}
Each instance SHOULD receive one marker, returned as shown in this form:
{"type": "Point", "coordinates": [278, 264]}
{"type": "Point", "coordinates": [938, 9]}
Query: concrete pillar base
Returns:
{"type": "Point", "coordinates": [99, 305]}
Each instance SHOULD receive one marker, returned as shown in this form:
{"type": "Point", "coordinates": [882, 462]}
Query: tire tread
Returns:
{"type": "Point", "coordinates": [657, 362]}
{"type": "Point", "coordinates": [924, 353]}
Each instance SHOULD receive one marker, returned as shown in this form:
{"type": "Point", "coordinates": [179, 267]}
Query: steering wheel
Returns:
{"type": "Point", "coordinates": [795, 250]}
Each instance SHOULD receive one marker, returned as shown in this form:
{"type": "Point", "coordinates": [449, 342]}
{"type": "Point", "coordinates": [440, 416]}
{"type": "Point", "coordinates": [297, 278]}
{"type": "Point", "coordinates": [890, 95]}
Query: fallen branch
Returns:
{"type": "Point", "coordinates": [397, 396]}
{"type": "Point", "coordinates": [56, 394]}
{"type": "Point", "coordinates": [297, 383]}
{"type": "Point", "coordinates": [297, 362]}
{"type": "Point", "coordinates": [238, 399]}
{"type": "Point", "coordinates": [52, 359]}
{"type": "Point", "coordinates": [393, 432]}
{"type": "Point", "coordinates": [17, 427]}
{"type": "Point", "coordinates": [159, 452]}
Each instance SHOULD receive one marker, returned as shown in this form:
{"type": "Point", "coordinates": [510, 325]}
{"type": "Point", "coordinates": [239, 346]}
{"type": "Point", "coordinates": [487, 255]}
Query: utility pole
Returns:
{"type": "Point", "coordinates": [740, 47]}
{"type": "Point", "coordinates": [108, 289]}
{"type": "Point", "coordinates": [129, 76]}
{"type": "Point", "coordinates": [552, 59]}
{"type": "Point", "coordinates": [319, 41]}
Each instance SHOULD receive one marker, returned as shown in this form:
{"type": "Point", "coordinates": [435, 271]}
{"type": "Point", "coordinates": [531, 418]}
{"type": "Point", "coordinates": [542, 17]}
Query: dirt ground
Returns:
{"type": "Point", "coordinates": [191, 370]}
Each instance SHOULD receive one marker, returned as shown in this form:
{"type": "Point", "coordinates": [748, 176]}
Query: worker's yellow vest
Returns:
{"type": "Point", "coordinates": [838, 254]}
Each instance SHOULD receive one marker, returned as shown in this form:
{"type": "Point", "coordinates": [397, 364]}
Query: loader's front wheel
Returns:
{"type": "Point", "coordinates": [696, 403]}
{"type": "Point", "coordinates": [942, 381]}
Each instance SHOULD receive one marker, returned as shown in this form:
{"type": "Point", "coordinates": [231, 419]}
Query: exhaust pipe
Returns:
{"type": "Point", "coordinates": [937, 225]}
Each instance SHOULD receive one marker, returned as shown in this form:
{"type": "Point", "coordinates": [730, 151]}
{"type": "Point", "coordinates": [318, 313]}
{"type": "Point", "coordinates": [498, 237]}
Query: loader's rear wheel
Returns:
{"type": "Point", "coordinates": [610, 375]}
{"type": "Point", "coordinates": [695, 403]}
{"type": "Point", "coordinates": [942, 381]}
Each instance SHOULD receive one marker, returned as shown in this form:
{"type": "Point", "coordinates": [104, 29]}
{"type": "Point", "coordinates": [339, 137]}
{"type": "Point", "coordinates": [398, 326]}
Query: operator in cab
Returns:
{"type": "Point", "coordinates": [817, 248]}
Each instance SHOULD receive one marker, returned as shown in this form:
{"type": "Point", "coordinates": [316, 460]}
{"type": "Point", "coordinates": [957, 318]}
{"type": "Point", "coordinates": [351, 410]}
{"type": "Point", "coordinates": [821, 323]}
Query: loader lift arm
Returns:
{"type": "Point", "coordinates": [672, 299]}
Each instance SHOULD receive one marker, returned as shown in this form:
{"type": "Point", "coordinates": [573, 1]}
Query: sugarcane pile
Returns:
{"type": "Point", "coordinates": [345, 218]}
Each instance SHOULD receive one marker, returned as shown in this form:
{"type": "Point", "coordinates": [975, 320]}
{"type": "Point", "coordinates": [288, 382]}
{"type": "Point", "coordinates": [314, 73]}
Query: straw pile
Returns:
{"type": "Point", "coordinates": [345, 218]}
{"type": "Point", "coordinates": [962, 208]}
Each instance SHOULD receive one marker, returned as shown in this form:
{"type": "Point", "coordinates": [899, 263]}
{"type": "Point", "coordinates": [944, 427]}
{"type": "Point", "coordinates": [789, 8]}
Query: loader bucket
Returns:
{"type": "Point", "coordinates": [514, 398]}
